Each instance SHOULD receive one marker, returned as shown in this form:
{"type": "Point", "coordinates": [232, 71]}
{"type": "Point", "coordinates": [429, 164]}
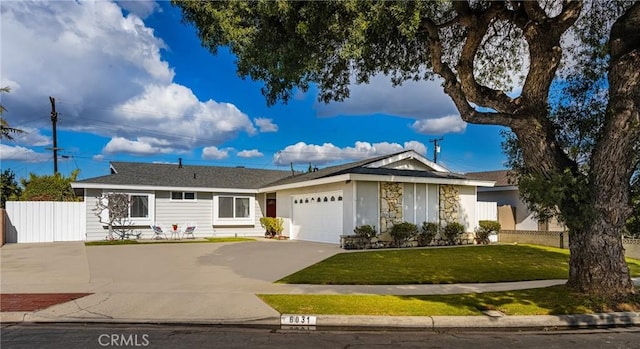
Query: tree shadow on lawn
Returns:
{"type": "Point", "coordinates": [555, 300]}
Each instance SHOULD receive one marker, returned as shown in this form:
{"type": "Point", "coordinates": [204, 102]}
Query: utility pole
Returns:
{"type": "Point", "coordinates": [54, 119]}
{"type": "Point", "coordinates": [436, 148]}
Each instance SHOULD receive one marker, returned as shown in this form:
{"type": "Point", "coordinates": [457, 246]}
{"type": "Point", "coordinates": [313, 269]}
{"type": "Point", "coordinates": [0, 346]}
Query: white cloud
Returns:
{"type": "Point", "coordinates": [213, 153]}
{"type": "Point", "coordinates": [413, 99]}
{"type": "Point", "coordinates": [104, 69]}
{"type": "Point", "coordinates": [31, 137]}
{"type": "Point", "coordinates": [98, 157]}
{"type": "Point", "coordinates": [265, 125]}
{"type": "Point", "coordinates": [18, 153]}
{"type": "Point", "coordinates": [141, 146]}
{"type": "Point", "coordinates": [253, 153]}
{"type": "Point", "coordinates": [446, 124]}
{"type": "Point", "coordinates": [302, 153]}
{"type": "Point", "coordinates": [141, 8]}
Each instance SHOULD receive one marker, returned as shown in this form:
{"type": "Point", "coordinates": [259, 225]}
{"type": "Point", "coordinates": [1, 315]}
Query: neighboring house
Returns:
{"type": "Point", "coordinates": [505, 192]}
{"type": "Point", "coordinates": [316, 206]}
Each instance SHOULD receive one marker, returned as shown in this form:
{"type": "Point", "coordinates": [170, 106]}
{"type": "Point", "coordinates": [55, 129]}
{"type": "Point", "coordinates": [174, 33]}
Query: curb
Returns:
{"type": "Point", "coordinates": [578, 321]}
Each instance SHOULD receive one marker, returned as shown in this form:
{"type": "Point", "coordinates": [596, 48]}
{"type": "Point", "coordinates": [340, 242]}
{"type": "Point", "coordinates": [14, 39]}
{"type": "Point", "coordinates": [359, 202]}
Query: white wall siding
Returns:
{"type": "Point", "coordinates": [467, 213]}
{"type": "Point", "coordinates": [367, 202]}
{"type": "Point", "coordinates": [95, 230]}
{"type": "Point", "coordinates": [45, 221]}
{"type": "Point", "coordinates": [408, 203]}
{"type": "Point", "coordinates": [486, 211]}
{"type": "Point", "coordinates": [433, 203]}
{"type": "Point", "coordinates": [183, 212]}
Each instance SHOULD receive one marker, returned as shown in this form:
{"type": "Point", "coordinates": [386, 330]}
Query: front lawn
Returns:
{"type": "Point", "coordinates": [472, 264]}
{"type": "Point", "coordinates": [542, 301]}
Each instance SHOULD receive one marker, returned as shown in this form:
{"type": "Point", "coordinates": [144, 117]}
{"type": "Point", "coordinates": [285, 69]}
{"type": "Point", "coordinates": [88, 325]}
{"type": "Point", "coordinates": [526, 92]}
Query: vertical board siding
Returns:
{"type": "Point", "coordinates": [487, 211]}
{"type": "Point", "coordinates": [45, 221]}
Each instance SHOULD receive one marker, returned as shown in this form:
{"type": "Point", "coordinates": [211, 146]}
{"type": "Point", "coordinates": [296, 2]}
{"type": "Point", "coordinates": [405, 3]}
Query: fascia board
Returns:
{"type": "Point", "coordinates": [500, 188]}
{"type": "Point", "coordinates": [309, 183]}
{"type": "Point", "coordinates": [427, 180]}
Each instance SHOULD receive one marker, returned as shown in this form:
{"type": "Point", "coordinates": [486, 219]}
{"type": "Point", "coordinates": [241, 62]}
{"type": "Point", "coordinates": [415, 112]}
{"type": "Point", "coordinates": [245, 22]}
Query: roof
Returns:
{"type": "Point", "coordinates": [359, 167]}
{"type": "Point", "coordinates": [172, 175]}
{"type": "Point", "coordinates": [502, 178]}
{"type": "Point", "coordinates": [134, 174]}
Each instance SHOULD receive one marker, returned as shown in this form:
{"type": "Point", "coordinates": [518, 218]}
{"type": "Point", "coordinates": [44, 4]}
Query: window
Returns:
{"type": "Point", "coordinates": [183, 195]}
{"type": "Point", "coordinates": [233, 210]}
{"type": "Point", "coordinates": [139, 206]}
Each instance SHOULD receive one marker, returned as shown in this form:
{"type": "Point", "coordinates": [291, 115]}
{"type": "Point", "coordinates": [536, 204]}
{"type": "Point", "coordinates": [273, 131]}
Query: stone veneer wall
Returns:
{"type": "Point", "coordinates": [449, 204]}
{"type": "Point", "coordinates": [390, 205]}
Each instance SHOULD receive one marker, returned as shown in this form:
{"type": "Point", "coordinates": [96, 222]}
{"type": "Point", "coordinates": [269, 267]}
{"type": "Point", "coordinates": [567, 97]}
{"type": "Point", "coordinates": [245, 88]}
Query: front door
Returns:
{"type": "Point", "coordinates": [271, 208]}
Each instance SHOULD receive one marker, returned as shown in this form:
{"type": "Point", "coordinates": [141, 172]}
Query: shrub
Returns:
{"type": "Point", "coordinates": [485, 229]}
{"type": "Point", "coordinates": [273, 226]}
{"type": "Point", "coordinates": [453, 232]}
{"type": "Point", "coordinates": [428, 232]}
{"type": "Point", "coordinates": [365, 231]}
{"type": "Point", "coordinates": [401, 232]}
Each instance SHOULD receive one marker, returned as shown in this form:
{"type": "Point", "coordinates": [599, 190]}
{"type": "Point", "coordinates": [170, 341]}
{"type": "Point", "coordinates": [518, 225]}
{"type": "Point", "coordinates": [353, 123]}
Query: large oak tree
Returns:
{"type": "Point", "coordinates": [477, 48]}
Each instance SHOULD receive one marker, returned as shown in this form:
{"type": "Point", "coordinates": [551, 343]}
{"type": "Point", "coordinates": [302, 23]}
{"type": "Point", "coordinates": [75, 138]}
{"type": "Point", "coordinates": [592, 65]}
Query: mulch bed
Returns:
{"type": "Point", "coordinates": [35, 301]}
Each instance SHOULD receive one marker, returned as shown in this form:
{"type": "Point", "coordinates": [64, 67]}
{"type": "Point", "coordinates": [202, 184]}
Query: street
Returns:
{"type": "Point", "coordinates": [78, 335]}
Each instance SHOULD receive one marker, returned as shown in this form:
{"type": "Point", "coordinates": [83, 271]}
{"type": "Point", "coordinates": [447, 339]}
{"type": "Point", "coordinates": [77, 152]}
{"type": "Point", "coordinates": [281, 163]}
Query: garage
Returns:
{"type": "Point", "coordinates": [317, 217]}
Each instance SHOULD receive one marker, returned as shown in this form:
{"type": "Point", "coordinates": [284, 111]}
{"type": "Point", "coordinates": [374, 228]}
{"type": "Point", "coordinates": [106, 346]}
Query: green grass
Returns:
{"type": "Point", "coordinates": [473, 264]}
{"type": "Point", "coordinates": [184, 241]}
{"type": "Point", "coordinates": [542, 301]}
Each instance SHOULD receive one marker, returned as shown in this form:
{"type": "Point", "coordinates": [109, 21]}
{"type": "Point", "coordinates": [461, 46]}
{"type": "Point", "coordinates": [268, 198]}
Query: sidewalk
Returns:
{"type": "Point", "coordinates": [217, 284]}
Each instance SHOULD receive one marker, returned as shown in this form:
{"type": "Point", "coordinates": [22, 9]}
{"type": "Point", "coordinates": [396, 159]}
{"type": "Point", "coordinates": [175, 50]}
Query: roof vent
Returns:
{"type": "Point", "coordinates": [179, 162]}
{"type": "Point", "coordinates": [194, 175]}
{"type": "Point", "coordinates": [239, 166]}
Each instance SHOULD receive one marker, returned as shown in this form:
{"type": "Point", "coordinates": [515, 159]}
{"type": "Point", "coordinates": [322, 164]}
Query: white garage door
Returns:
{"type": "Point", "coordinates": [317, 217]}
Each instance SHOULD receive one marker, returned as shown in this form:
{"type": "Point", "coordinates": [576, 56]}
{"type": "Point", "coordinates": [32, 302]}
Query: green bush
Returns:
{"type": "Point", "coordinates": [453, 232]}
{"type": "Point", "coordinates": [365, 231]}
{"type": "Point", "coordinates": [485, 229]}
{"type": "Point", "coordinates": [428, 232]}
{"type": "Point", "coordinates": [401, 232]}
{"type": "Point", "coordinates": [273, 226]}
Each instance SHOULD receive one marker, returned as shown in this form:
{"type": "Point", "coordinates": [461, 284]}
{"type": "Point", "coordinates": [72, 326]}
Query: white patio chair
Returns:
{"type": "Point", "coordinates": [189, 231]}
{"type": "Point", "coordinates": [158, 233]}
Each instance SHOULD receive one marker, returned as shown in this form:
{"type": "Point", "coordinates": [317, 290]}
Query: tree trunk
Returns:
{"type": "Point", "coordinates": [597, 264]}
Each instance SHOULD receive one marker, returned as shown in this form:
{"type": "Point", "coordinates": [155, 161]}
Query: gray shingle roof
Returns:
{"type": "Point", "coordinates": [170, 175]}
{"type": "Point", "coordinates": [501, 177]}
{"type": "Point", "coordinates": [358, 167]}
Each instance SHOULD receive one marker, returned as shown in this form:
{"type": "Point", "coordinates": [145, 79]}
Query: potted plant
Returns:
{"type": "Point", "coordinates": [175, 226]}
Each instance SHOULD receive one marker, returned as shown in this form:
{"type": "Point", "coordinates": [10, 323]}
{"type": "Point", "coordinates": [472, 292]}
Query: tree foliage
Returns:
{"type": "Point", "coordinates": [49, 187]}
{"type": "Point", "coordinates": [6, 131]}
{"type": "Point", "coordinates": [10, 188]}
{"type": "Point", "coordinates": [481, 50]}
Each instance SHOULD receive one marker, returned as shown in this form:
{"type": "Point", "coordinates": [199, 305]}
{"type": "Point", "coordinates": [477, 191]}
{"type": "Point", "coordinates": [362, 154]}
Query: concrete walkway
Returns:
{"type": "Point", "coordinates": [216, 283]}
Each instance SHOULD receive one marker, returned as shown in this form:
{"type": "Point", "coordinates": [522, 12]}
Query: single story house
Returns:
{"type": "Point", "coordinates": [505, 193]}
{"type": "Point", "coordinates": [317, 206]}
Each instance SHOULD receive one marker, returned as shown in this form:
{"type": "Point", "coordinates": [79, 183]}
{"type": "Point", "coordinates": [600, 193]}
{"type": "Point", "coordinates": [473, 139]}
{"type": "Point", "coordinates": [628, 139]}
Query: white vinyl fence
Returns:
{"type": "Point", "coordinates": [45, 221]}
{"type": "Point", "coordinates": [486, 211]}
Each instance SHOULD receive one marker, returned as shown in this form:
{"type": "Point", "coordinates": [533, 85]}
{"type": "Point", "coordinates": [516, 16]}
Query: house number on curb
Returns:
{"type": "Point", "coordinates": [298, 320]}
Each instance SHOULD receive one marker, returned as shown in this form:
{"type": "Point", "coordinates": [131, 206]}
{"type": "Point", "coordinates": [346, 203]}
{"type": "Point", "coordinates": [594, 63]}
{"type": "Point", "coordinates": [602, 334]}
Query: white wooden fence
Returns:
{"type": "Point", "coordinates": [45, 221]}
{"type": "Point", "coordinates": [486, 211]}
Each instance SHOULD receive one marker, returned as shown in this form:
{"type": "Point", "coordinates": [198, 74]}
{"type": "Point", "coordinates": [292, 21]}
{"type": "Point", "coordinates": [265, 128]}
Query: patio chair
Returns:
{"type": "Point", "coordinates": [158, 233]}
{"type": "Point", "coordinates": [189, 231]}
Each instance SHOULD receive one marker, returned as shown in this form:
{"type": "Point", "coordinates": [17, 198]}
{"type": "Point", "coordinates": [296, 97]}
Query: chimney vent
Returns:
{"type": "Point", "coordinates": [179, 162]}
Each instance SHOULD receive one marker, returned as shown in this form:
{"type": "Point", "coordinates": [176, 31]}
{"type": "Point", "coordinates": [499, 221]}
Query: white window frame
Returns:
{"type": "Point", "coordinates": [232, 220]}
{"type": "Point", "coordinates": [195, 196]}
{"type": "Point", "coordinates": [151, 197]}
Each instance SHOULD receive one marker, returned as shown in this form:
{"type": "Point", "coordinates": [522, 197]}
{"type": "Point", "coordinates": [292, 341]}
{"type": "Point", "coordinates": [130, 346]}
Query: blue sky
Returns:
{"type": "Point", "coordinates": [132, 83]}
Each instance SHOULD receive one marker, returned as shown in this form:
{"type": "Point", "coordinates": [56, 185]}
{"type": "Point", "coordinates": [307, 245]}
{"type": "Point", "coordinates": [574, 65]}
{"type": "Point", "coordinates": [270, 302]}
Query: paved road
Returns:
{"type": "Point", "coordinates": [69, 336]}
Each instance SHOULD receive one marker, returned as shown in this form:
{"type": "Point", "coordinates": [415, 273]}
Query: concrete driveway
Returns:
{"type": "Point", "coordinates": [157, 282]}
